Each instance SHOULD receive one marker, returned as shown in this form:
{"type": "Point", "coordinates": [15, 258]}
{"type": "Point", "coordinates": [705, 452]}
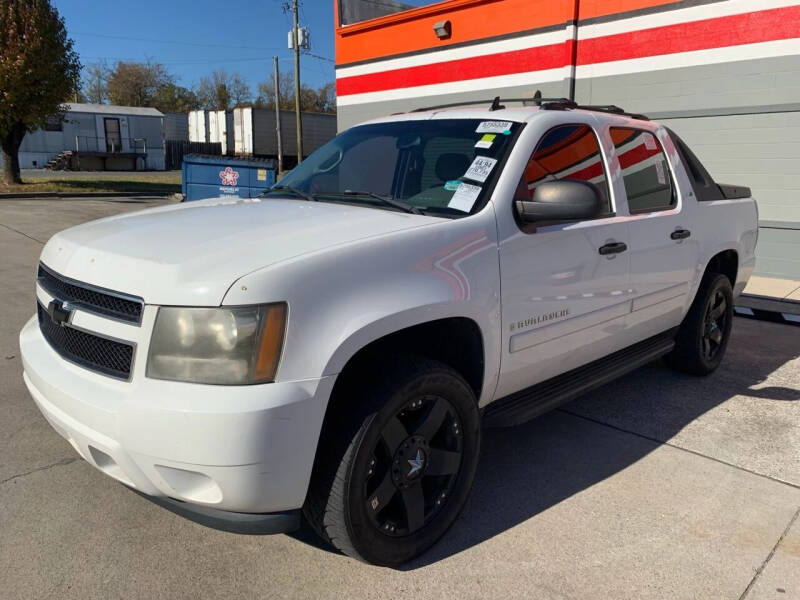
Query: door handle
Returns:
{"type": "Point", "coordinates": [613, 248]}
{"type": "Point", "coordinates": [680, 234]}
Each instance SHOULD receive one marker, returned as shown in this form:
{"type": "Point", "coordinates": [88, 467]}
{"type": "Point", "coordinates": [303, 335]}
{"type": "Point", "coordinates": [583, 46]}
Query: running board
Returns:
{"type": "Point", "coordinates": [547, 395]}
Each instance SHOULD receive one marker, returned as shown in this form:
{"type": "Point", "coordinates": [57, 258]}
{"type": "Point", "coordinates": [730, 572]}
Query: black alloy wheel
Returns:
{"type": "Point", "coordinates": [396, 461]}
{"type": "Point", "coordinates": [413, 466]}
{"type": "Point", "coordinates": [703, 336]}
{"type": "Point", "coordinates": [714, 325]}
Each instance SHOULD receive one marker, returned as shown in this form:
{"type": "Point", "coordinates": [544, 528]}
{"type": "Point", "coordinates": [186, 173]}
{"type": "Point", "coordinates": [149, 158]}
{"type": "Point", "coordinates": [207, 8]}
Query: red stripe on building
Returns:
{"type": "Point", "coordinates": [718, 32]}
{"type": "Point", "coordinates": [540, 58]}
{"type": "Point", "coordinates": [587, 173]}
{"type": "Point", "coordinates": [634, 156]}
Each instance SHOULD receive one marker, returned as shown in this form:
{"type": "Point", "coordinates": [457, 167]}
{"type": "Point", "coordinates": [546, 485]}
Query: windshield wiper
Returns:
{"type": "Point", "coordinates": [291, 190]}
{"type": "Point", "coordinates": [388, 200]}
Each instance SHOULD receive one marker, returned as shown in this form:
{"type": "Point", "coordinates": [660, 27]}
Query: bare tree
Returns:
{"type": "Point", "coordinates": [322, 99]}
{"type": "Point", "coordinates": [326, 98]}
{"type": "Point", "coordinates": [266, 92]}
{"type": "Point", "coordinates": [95, 89]}
{"type": "Point", "coordinates": [239, 90]}
{"type": "Point", "coordinates": [221, 91]}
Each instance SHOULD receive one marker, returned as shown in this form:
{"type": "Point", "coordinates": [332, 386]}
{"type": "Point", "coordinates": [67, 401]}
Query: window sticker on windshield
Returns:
{"type": "Point", "coordinates": [465, 196]}
{"type": "Point", "coordinates": [494, 127]}
{"type": "Point", "coordinates": [486, 140]}
{"type": "Point", "coordinates": [452, 185]}
{"type": "Point", "coordinates": [662, 179]}
{"type": "Point", "coordinates": [649, 141]}
{"type": "Point", "coordinates": [480, 168]}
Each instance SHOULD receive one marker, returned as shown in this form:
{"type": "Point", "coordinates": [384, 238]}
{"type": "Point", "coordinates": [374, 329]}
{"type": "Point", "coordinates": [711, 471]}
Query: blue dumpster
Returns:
{"type": "Point", "coordinates": [214, 176]}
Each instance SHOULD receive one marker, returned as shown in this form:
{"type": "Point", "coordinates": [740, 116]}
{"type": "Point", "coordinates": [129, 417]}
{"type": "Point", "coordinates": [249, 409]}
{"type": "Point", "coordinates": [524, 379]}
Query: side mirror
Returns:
{"type": "Point", "coordinates": [565, 200]}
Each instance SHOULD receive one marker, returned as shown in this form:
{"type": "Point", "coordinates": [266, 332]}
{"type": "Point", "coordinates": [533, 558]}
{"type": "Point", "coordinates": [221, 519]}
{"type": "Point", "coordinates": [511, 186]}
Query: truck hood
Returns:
{"type": "Point", "coordinates": [191, 253]}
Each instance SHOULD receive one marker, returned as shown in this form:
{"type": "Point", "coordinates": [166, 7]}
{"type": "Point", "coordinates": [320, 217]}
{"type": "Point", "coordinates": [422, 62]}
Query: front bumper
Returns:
{"type": "Point", "coordinates": [233, 522]}
{"type": "Point", "coordinates": [243, 449]}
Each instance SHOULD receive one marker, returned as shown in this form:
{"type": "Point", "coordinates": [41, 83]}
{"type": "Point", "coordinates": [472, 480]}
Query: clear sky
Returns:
{"type": "Point", "coordinates": [194, 37]}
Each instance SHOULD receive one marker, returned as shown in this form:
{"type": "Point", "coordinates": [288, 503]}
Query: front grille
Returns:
{"type": "Point", "coordinates": [97, 300]}
{"type": "Point", "coordinates": [93, 352]}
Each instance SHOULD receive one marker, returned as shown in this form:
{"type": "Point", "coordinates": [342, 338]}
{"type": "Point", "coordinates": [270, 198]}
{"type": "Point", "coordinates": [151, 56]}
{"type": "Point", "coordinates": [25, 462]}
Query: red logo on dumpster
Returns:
{"type": "Point", "coordinates": [229, 176]}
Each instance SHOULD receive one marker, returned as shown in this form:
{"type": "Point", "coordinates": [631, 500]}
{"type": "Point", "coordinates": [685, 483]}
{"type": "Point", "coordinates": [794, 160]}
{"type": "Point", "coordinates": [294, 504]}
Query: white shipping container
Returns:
{"type": "Point", "coordinates": [243, 131]}
{"type": "Point", "coordinates": [222, 130]}
{"type": "Point", "coordinates": [217, 129]}
{"type": "Point", "coordinates": [197, 126]}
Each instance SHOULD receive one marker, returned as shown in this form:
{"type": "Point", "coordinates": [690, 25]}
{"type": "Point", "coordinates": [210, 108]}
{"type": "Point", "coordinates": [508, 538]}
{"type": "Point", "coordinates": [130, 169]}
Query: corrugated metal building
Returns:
{"type": "Point", "coordinates": [249, 131]}
{"type": "Point", "coordinates": [176, 127]}
{"type": "Point", "coordinates": [99, 136]}
{"type": "Point", "coordinates": [725, 74]}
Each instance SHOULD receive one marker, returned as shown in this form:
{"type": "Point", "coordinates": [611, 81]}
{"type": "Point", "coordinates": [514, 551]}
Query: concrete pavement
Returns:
{"type": "Point", "coordinates": [773, 287]}
{"type": "Point", "coordinates": [658, 485]}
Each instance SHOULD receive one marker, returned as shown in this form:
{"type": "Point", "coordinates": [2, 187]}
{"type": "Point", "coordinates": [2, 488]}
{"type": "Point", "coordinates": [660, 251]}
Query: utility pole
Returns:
{"type": "Point", "coordinates": [296, 44]}
{"type": "Point", "coordinates": [278, 116]}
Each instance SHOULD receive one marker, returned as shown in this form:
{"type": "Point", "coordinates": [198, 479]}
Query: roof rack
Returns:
{"type": "Point", "coordinates": [493, 102]}
{"type": "Point", "coordinates": [543, 103]}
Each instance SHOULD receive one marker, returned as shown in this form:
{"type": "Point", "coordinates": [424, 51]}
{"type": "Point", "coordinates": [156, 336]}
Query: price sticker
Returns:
{"type": "Point", "coordinates": [465, 196]}
{"type": "Point", "coordinates": [493, 127]}
{"type": "Point", "coordinates": [480, 168]}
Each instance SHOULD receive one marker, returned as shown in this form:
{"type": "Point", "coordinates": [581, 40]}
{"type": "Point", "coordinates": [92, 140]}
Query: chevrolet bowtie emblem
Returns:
{"type": "Point", "coordinates": [59, 311]}
{"type": "Point", "coordinates": [416, 463]}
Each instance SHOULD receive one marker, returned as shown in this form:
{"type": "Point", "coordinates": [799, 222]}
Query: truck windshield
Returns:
{"type": "Point", "coordinates": [439, 167]}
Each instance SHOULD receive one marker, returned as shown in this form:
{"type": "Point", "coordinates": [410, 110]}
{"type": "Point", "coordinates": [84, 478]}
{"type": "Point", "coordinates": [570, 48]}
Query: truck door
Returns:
{"type": "Point", "coordinates": [663, 251]}
{"type": "Point", "coordinates": [563, 298]}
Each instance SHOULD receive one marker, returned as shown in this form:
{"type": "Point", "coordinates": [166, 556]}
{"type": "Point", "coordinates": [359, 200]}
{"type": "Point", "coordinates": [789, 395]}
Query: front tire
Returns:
{"type": "Point", "coordinates": [394, 472]}
{"type": "Point", "coordinates": [703, 336]}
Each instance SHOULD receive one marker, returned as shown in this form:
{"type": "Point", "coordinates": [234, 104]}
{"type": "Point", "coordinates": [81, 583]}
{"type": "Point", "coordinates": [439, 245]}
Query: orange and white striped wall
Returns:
{"type": "Point", "coordinates": [724, 73]}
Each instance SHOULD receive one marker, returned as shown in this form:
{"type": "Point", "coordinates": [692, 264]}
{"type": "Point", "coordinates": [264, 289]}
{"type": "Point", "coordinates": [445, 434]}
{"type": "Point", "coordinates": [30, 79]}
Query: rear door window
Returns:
{"type": "Point", "coordinates": [645, 171]}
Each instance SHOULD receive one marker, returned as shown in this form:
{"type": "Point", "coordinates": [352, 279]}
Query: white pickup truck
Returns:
{"type": "Point", "coordinates": [333, 348]}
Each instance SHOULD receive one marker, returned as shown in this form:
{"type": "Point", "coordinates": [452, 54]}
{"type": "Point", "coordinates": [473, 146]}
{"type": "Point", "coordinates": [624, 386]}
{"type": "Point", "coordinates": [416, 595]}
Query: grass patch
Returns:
{"type": "Point", "coordinates": [80, 182]}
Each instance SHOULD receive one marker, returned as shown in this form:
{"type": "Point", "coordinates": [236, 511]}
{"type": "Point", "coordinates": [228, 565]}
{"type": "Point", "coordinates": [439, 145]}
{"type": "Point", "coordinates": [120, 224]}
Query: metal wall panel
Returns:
{"type": "Point", "coordinates": [349, 115]}
{"type": "Point", "coordinates": [761, 151]}
{"type": "Point", "coordinates": [778, 252]}
{"type": "Point", "coordinates": [702, 89]}
{"type": "Point", "coordinates": [318, 128]}
{"type": "Point", "coordinates": [176, 127]}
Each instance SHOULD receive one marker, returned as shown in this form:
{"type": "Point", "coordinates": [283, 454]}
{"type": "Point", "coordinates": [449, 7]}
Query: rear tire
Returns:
{"type": "Point", "coordinates": [703, 336]}
{"type": "Point", "coordinates": [394, 471]}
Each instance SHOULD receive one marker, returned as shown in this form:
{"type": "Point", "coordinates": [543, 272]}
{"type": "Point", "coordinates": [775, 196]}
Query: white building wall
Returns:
{"type": "Point", "coordinates": [86, 132]}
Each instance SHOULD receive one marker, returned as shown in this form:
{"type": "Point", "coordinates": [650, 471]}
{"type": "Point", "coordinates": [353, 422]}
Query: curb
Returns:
{"type": "Point", "coordinates": [764, 308]}
{"type": "Point", "coordinates": [50, 195]}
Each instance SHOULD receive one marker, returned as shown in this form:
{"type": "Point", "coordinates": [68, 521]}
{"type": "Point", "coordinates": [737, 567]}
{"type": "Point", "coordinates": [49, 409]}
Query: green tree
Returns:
{"type": "Point", "coordinates": [39, 70]}
{"type": "Point", "coordinates": [171, 98]}
{"type": "Point", "coordinates": [136, 83]}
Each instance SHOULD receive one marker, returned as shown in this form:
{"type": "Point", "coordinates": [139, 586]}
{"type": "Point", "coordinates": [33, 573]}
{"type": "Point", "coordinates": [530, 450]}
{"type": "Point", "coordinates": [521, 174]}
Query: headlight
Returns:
{"type": "Point", "coordinates": [235, 345]}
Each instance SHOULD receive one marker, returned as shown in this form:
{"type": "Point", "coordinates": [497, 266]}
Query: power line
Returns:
{"type": "Point", "coordinates": [155, 41]}
{"type": "Point", "coordinates": [317, 56]}
{"type": "Point", "coordinates": [209, 61]}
